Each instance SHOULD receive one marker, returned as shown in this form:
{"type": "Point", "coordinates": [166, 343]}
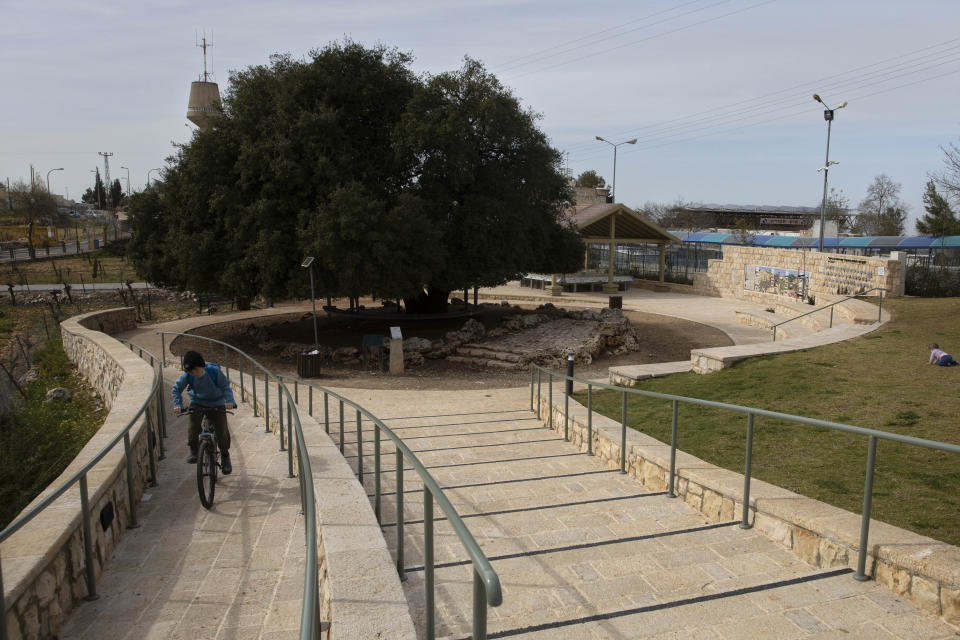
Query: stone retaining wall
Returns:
{"type": "Point", "coordinates": [832, 275]}
{"type": "Point", "coordinates": [360, 591]}
{"type": "Point", "coordinates": [44, 573]}
{"type": "Point", "coordinates": [915, 567]}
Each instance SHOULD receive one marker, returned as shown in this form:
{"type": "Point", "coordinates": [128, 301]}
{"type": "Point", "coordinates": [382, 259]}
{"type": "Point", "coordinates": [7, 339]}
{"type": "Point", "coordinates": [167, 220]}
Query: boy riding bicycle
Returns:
{"type": "Point", "coordinates": [207, 387]}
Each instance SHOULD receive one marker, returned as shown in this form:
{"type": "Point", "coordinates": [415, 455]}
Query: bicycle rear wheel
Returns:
{"type": "Point", "coordinates": [206, 473]}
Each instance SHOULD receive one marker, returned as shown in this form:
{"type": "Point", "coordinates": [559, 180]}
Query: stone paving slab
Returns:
{"type": "Point", "coordinates": [235, 571]}
{"type": "Point", "coordinates": [586, 552]}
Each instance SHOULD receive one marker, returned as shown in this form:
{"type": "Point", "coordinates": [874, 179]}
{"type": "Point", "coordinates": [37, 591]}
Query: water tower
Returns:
{"type": "Point", "coordinates": [204, 105]}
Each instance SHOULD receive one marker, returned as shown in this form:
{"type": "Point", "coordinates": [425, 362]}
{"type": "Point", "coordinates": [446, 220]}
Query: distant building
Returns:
{"type": "Point", "coordinates": [801, 220]}
{"type": "Point", "coordinates": [591, 195]}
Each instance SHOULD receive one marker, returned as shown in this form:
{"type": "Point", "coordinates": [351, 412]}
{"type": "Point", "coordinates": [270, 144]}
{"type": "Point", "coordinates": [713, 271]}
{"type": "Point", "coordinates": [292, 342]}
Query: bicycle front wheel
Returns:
{"type": "Point", "coordinates": [206, 473]}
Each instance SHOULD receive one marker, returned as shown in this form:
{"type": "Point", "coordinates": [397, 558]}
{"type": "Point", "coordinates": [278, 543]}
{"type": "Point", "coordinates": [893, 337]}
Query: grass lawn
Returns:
{"type": "Point", "coordinates": [72, 270]}
{"type": "Point", "coordinates": [880, 381]}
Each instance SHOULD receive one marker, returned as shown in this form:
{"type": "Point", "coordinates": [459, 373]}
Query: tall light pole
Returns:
{"type": "Point", "coordinates": [828, 116]}
{"type": "Point", "coordinates": [308, 264]}
{"type": "Point", "coordinates": [48, 177]}
{"type": "Point", "coordinates": [128, 179]}
{"type": "Point", "coordinates": [613, 191]}
{"type": "Point", "coordinates": [148, 176]}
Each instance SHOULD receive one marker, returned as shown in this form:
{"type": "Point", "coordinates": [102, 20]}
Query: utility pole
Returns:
{"type": "Point", "coordinates": [106, 172]}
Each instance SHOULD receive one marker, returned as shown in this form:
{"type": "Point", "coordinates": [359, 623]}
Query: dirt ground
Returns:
{"type": "Point", "coordinates": [667, 339]}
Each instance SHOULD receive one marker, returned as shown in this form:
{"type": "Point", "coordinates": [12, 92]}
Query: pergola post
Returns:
{"type": "Point", "coordinates": [586, 256]}
{"type": "Point", "coordinates": [611, 286]}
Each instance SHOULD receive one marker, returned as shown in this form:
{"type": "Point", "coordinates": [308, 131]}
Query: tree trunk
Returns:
{"type": "Point", "coordinates": [432, 300]}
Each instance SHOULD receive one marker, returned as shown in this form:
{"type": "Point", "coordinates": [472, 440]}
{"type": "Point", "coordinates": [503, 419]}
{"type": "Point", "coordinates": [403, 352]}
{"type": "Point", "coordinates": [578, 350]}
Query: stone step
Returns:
{"type": "Point", "coordinates": [486, 362]}
{"type": "Point", "coordinates": [488, 347]}
{"type": "Point", "coordinates": [491, 354]}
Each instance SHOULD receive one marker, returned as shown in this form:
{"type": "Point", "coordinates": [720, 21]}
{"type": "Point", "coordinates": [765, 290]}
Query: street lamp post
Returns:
{"type": "Point", "coordinates": [308, 264]}
{"type": "Point", "coordinates": [148, 176]}
{"type": "Point", "coordinates": [128, 179]}
{"type": "Point", "coordinates": [613, 191]}
{"type": "Point", "coordinates": [828, 116]}
{"type": "Point", "coordinates": [48, 177]}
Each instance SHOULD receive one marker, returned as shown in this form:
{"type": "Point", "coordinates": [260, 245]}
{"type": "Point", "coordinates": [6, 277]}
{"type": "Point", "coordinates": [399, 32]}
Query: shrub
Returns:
{"type": "Point", "coordinates": [927, 282]}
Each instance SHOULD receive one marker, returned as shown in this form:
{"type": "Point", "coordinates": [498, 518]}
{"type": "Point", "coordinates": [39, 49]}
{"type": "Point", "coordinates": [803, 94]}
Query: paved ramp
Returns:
{"type": "Point", "coordinates": [585, 552]}
{"type": "Point", "coordinates": [235, 571]}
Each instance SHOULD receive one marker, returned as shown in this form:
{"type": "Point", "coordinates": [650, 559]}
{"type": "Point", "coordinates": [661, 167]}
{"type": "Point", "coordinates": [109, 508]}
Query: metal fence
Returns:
{"type": "Point", "coordinates": [152, 410]}
{"type": "Point", "coordinates": [486, 583]}
{"type": "Point", "coordinates": [873, 435]}
{"type": "Point", "coordinates": [681, 261]}
{"type": "Point", "coordinates": [310, 623]}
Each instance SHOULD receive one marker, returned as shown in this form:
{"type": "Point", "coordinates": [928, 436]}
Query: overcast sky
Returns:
{"type": "Point", "coordinates": [717, 91]}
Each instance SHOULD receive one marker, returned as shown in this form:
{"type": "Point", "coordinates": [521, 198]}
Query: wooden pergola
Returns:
{"type": "Point", "coordinates": [614, 224]}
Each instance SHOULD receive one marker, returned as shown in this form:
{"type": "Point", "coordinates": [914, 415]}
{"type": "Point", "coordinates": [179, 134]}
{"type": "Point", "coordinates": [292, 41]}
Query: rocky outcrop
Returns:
{"type": "Point", "coordinates": [548, 337]}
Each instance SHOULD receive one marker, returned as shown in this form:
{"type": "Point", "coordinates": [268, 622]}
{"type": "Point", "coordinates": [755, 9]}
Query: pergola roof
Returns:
{"type": "Point", "coordinates": [593, 221]}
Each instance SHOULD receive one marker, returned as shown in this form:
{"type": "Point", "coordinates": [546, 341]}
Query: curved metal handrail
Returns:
{"type": "Point", "coordinates": [487, 589]}
{"type": "Point", "coordinates": [831, 306]}
{"type": "Point", "coordinates": [80, 476]}
{"type": "Point", "coordinates": [310, 624]}
{"type": "Point", "coordinates": [481, 565]}
{"type": "Point", "coordinates": [873, 434]}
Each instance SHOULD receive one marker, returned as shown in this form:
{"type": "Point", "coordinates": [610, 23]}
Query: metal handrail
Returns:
{"type": "Point", "coordinates": [486, 583]}
{"type": "Point", "coordinates": [873, 434]}
{"type": "Point", "coordinates": [831, 307]}
{"type": "Point", "coordinates": [81, 477]}
{"type": "Point", "coordinates": [310, 623]}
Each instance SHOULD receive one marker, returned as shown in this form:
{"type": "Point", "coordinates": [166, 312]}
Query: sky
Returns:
{"type": "Point", "coordinates": [717, 92]}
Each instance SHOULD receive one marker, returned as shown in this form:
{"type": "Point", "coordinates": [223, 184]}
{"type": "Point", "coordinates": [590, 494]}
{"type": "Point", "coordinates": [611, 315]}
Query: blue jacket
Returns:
{"type": "Point", "coordinates": [212, 389]}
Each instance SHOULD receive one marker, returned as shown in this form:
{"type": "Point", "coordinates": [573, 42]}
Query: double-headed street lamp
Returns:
{"type": "Point", "coordinates": [48, 177]}
{"type": "Point", "coordinates": [613, 191]}
{"type": "Point", "coordinates": [828, 116]}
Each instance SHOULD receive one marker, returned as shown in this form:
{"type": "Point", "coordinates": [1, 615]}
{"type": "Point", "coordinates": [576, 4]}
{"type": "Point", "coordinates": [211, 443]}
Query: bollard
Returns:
{"type": "Point", "coordinates": [570, 374]}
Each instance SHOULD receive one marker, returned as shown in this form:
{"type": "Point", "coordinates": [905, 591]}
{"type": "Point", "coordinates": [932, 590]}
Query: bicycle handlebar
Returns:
{"type": "Point", "coordinates": [200, 409]}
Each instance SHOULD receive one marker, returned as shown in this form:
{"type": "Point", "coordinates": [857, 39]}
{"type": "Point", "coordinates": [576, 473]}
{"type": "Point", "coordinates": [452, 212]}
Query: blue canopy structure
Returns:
{"type": "Point", "coordinates": [890, 243]}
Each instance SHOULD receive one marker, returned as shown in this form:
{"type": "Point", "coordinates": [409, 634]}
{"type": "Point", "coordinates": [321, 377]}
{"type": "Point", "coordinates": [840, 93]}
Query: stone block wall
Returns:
{"type": "Point", "coordinates": [44, 570]}
{"type": "Point", "coordinates": [920, 569]}
{"type": "Point", "coordinates": [832, 275]}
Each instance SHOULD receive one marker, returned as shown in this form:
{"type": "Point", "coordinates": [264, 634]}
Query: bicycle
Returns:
{"type": "Point", "coordinates": [208, 454]}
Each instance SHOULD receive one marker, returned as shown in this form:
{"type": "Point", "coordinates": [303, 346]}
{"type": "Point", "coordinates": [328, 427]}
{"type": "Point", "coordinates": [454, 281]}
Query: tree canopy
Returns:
{"type": "Point", "coordinates": [590, 179]}
{"type": "Point", "coordinates": [399, 185]}
{"type": "Point", "coordinates": [939, 219]}
{"type": "Point", "coordinates": [97, 195]}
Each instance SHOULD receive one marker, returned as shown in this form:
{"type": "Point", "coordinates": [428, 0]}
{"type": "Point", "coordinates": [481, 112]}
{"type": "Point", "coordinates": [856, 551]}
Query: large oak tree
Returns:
{"type": "Point", "coordinates": [399, 185]}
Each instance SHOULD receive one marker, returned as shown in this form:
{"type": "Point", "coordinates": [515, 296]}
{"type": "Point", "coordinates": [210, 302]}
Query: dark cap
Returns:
{"type": "Point", "coordinates": [192, 359]}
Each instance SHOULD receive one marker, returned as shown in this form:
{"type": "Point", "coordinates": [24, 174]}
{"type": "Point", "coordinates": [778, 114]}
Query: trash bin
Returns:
{"type": "Point", "coordinates": [616, 302]}
{"type": "Point", "coordinates": [308, 364]}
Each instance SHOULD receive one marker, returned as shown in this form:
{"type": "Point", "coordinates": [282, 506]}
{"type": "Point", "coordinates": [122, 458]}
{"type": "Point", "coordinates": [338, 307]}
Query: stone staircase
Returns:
{"type": "Point", "coordinates": [482, 355]}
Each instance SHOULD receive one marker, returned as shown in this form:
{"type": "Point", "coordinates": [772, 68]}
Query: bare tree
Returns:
{"type": "Point", "coordinates": [32, 204]}
{"type": "Point", "coordinates": [949, 178]}
{"type": "Point", "coordinates": [838, 210]}
{"type": "Point", "coordinates": [881, 212]}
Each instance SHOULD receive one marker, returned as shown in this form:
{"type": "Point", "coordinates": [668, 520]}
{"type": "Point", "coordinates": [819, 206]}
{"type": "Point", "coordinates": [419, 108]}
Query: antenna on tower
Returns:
{"type": "Point", "coordinates": [201, 41]}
